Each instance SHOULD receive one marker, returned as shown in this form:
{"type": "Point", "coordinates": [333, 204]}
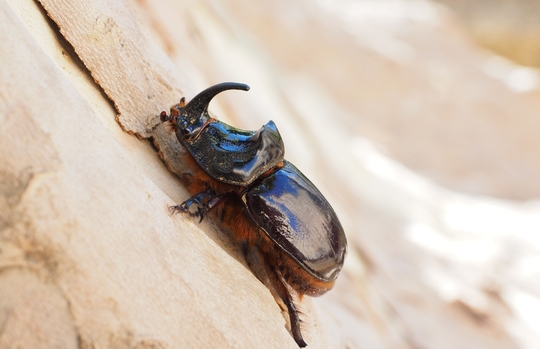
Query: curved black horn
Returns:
{"type": "Point", "coordinates": [199, 103]}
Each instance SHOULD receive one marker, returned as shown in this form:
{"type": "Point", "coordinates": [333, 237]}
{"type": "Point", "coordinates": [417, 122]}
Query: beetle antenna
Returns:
{"type": "Point", "coordinates": [164, 117]}
{"type": "Point", "coordinates": [199, 104]}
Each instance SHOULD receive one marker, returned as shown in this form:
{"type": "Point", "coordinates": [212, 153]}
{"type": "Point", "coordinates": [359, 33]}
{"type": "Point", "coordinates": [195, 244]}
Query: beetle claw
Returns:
{"type": "Point", "coordinates": [204, 201]}
{"type": "Point", "coordinates": [200, 213]}
{"type": "Point", "coordinates": [177, 208]}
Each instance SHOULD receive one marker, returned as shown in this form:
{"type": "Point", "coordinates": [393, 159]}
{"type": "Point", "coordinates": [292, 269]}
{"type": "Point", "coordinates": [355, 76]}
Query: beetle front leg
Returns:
{"type": "Point", "coordinates": [203, 201]}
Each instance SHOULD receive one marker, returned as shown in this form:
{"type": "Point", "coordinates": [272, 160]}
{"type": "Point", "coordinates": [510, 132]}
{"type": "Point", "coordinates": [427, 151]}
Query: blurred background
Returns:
{"type": "Point", "coordinates": [419, 121]}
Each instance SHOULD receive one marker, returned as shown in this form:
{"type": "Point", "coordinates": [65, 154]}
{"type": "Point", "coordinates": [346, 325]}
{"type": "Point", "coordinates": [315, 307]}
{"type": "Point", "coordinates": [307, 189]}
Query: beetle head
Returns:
{"type": "Point", "coordinates": [188, 119]}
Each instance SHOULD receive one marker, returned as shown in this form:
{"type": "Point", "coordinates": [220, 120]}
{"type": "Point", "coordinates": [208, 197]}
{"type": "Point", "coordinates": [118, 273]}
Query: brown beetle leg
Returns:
{"type": "Point", "coordinates": [255, 262]}
{"type": "Point", "coordinates": [272, 278]}
{"type": "Point", "coordinates": [204, 202]}
{"type": "Point", "coordinates": [287, 298]}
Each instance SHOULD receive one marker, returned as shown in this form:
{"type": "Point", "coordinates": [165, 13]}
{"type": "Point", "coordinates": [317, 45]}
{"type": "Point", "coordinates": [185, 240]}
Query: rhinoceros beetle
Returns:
{"type": "Point", "coordinates": [289, 234]}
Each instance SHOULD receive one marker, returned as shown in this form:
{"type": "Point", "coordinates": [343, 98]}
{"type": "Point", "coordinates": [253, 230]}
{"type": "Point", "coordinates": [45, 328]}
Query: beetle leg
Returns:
{"type": "Point", "coordinates": [197, 200]}
{"type": "Point", "coordinates": [255, 262]}
{"type": "Point", "coordinates": [272, 278]}
{"type": "Point", "coordinates": [204, 202]}
{"type": "Point", "coordinates": [207, 206]}
{"type": "Point", "coordinates": [185, 206]}
{"type": "Point", "coordinates": [287, 298]}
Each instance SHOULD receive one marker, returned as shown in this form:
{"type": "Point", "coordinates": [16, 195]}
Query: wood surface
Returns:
{"type": "Point", "coordinates": [418, 138]}
{"type": "Point", "coordinates": [90, 256]}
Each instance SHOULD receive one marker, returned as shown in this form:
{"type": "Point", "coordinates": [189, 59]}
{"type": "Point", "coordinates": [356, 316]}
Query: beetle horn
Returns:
{"type": "Point", "coordinates": [199, 104]}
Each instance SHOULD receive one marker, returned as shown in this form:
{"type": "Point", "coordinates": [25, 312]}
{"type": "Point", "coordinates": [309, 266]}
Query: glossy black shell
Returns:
{"type": "Point", "coordinates": [297, 217]}
{"type": "Point", "coordinates": [235, 156]}
{"type": "Point", "coordinates": [227, 154]}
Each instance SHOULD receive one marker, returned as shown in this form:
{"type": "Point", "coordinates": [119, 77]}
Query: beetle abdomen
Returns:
{"type": "Point", "coordinates": [235, 156]}
{"type": "Point", "coordinates": [297, 217]}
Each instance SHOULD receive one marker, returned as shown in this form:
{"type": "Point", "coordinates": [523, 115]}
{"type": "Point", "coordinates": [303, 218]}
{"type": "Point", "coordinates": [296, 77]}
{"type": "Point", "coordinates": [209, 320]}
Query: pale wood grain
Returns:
{"type": "Point", "coordinates": [84, 227]}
